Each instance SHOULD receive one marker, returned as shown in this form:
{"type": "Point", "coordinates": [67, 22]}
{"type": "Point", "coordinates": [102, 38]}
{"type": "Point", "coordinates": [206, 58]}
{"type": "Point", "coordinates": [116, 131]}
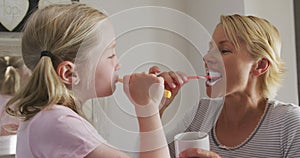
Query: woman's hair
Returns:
{"type": "Point", "coordinates": [9, 76]}
{"type": "Point", "coordinates": [263, 42]}
{"type": "Point", "coordinates": [59, 29]}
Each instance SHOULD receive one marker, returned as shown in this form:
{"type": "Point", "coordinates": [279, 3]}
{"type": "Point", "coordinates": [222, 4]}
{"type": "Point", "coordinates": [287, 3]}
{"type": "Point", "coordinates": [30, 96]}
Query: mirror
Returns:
{"type": "Point", "coordinates": [11, 63]}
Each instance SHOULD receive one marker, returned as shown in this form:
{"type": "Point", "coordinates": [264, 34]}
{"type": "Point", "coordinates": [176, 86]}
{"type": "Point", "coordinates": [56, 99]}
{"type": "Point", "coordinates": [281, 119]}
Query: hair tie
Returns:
{"type": "Point", "coordinates": [47, 53]}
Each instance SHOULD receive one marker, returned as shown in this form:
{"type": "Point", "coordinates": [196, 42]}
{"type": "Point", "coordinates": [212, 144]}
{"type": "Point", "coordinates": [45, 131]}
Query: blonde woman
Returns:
{"type": "Point", "coordinates": [246, 71]}
{"type": "Point", "coordinates": [13, 74]}
{"type": "Point", "coordinates": [71, 50]}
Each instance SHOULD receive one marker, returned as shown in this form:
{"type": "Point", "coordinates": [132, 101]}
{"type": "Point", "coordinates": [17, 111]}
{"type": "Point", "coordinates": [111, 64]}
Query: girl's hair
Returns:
{"type": "Point", "coordinates": [263, 41]}
{"type": "Point", "coordinates": [59, 29]}
{"type": "Point", "coordinates": [9, 76]}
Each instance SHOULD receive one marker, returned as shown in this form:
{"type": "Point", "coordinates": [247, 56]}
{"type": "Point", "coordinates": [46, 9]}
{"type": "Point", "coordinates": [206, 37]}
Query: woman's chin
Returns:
{"type": "Point", "coordinates": [214, 93]}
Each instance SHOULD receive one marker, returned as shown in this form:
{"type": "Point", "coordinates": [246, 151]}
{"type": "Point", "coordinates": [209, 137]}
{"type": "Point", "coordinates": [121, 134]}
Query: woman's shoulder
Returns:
{"type": "Point", "coordinates": [280, 106]}
{"type": "Point", "coordinates": [211, 101]}
{"type": "Point", "coordinates": [286, 111]}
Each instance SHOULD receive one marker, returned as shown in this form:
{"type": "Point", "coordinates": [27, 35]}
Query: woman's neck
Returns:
{"type": "Point", "coordinates": [238, 107]}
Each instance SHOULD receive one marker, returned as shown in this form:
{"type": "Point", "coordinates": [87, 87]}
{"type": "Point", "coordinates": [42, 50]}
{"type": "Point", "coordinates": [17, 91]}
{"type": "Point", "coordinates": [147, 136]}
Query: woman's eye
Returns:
{"type": "Point", "coordinates": [225, 51]}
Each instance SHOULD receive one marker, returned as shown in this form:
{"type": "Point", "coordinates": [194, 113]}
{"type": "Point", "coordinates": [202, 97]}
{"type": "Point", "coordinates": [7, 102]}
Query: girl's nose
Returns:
{"type": "Point", "coordinates": [118, 66]}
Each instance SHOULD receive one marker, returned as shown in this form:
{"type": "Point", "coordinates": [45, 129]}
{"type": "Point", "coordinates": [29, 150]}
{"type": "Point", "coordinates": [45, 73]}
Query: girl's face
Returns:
{"type": "Point", "coordinates": [230, 67]}
{"type": "Point", "coordinates": [106, 72]}
{"type": "Point", "coordinates": [97, 64]}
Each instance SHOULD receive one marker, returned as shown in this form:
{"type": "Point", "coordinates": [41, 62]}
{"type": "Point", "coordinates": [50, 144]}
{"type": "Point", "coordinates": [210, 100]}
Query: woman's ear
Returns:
{"type": "Point", "coordinates": [261, 67]}
{"type": "Point", "coordinates": [65, 71]}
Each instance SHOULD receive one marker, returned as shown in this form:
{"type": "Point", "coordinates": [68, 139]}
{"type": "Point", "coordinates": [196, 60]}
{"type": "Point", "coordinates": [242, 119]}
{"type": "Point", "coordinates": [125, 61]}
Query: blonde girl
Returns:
{"type": "Point", "coordinates": [71, 50]}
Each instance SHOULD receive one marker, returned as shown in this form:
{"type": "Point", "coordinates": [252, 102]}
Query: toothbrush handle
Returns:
{"type": "Point", "coordinates": [196, 77]}
{"type": "Point", "coordinates": [167, 93]}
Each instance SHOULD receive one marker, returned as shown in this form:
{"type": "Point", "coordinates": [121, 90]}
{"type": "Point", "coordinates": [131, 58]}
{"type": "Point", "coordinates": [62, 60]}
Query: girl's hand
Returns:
{"type": "Point", "coordinates": [198, 153]}
{"type": "Point", "coordinates": [173, 81]}
{"type": "Point", "coordinates": [145, 91]}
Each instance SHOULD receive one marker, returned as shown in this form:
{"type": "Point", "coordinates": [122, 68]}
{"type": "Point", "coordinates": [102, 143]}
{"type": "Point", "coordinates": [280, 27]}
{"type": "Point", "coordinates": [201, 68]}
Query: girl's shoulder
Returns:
{"type": "Point", "coordinates": [61, 125]}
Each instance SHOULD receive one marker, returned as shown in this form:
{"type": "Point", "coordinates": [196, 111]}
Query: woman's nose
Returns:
{"type": "Point", "coordinates": [213, 56]}
{"type": "Point", "coordinates": [209, 58]}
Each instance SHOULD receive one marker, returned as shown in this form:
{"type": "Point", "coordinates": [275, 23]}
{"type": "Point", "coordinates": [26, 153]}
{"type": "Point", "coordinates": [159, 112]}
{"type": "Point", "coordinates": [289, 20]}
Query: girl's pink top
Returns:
{"type": "Point", "coordinates": [58, 132]}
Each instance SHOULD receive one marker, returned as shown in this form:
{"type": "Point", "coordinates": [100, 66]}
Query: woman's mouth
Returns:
{"type": "Point", "coordinates": [213, 78]}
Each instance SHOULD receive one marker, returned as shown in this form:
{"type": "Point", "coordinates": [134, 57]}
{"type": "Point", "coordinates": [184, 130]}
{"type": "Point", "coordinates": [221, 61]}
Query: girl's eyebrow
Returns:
{"type": "Point", "coordinates": [113, 45]}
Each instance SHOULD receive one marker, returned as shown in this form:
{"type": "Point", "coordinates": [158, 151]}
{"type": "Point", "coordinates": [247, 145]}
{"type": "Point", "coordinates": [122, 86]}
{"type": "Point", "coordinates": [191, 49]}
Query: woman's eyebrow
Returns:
{"type": "Point", "coordinates": [224, 42]}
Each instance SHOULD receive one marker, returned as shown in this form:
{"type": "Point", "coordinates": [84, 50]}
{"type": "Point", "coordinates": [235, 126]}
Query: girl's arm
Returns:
{"type": "Point", "coordinates": [145, 91]}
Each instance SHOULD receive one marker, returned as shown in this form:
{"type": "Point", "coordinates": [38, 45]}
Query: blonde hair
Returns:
{"type": "Point", "coordinates": [59, 29]}
{"type": "Point", "coordinates": [9, 76]}
{"type": "Point", "coordinates": [263, 41]}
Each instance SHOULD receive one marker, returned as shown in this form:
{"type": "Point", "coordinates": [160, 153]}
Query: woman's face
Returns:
{"type": "Point", "coordinates": [231, 68]}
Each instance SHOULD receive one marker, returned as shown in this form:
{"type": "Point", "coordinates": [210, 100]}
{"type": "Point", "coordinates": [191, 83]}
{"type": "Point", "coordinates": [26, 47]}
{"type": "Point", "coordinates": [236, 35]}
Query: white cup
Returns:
{"type": "Point", "coordinates": [187, 140]}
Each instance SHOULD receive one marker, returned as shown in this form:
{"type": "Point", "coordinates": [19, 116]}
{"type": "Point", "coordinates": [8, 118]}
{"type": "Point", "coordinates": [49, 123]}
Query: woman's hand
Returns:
{"type": "Point", "coordinates": [173, 81]}
{"type": "Point", "coordinates": [198, 153]}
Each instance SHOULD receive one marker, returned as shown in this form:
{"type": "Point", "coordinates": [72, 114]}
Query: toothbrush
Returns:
{"type": "Point", "coordinates": [199, 77]}
{"type": "Point", "coordinates": [167, 93]}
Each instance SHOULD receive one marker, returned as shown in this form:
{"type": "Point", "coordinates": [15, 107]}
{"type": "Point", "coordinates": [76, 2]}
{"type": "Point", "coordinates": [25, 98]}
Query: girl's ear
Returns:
{"type": "Point", "coordinates": [261, 67]}
{"type": "Point", "coordinates": [65, 71]}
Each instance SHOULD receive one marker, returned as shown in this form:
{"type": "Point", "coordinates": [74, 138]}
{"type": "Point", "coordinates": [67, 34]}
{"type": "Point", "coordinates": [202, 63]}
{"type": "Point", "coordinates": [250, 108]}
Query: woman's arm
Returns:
{"type": "Point", "coordinates": [173, 81]}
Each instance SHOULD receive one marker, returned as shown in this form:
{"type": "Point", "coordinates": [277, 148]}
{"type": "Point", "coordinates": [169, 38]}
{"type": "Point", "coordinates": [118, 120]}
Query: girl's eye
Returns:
{"type": "Point", "coordinates": [112, 56]}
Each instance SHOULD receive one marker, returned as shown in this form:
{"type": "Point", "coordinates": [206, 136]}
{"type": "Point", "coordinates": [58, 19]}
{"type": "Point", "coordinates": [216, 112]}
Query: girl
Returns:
{"type": "Point", "coordinates": [71, 50]}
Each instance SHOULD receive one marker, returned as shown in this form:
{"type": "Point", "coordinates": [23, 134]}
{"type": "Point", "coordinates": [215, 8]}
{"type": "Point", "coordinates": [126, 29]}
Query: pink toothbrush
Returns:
{"type": "Point", "coordinates": [201, 77]}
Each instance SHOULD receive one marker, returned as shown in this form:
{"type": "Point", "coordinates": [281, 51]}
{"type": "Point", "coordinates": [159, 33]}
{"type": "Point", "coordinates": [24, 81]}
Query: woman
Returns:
{"type": "Point", "coordinates": [245, 68]}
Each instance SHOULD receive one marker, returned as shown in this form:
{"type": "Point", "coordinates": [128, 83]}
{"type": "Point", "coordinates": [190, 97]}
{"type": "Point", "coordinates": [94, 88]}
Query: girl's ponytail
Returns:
{"type": "Point", "coordinates": [44, 89]}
